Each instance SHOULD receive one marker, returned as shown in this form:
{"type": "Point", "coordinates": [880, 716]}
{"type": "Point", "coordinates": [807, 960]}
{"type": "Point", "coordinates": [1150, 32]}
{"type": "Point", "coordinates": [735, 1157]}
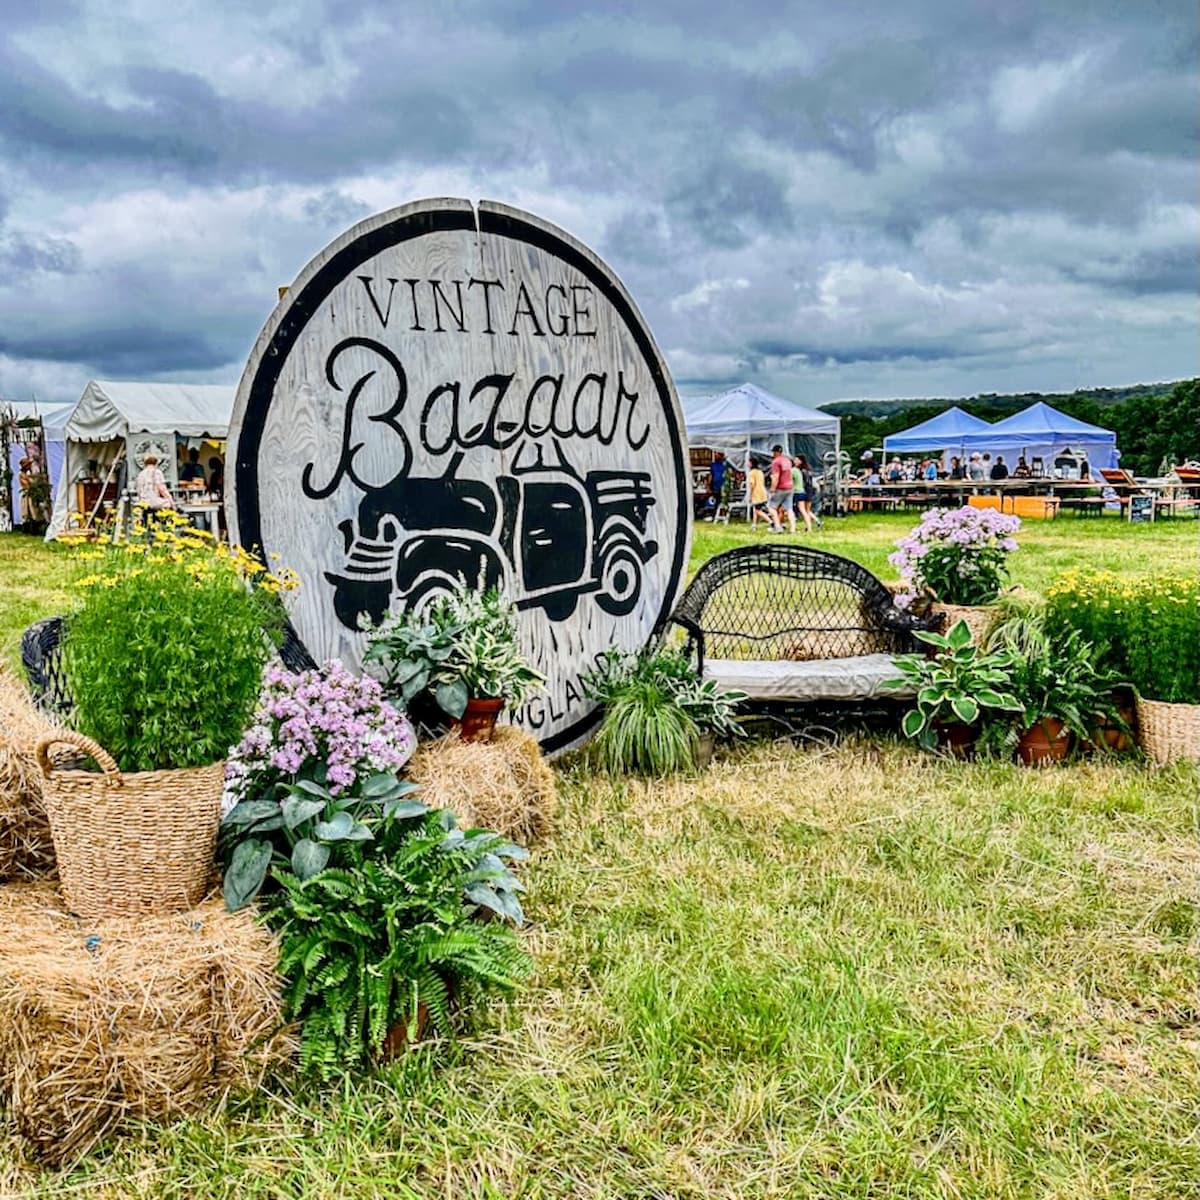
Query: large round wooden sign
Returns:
{"type": "Point", "coordinates": [451, 392]}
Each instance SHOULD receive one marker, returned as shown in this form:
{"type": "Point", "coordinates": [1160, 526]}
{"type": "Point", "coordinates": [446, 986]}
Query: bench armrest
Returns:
{"type": "Point", "coordinates": [695, 635]}
{"type": "Point", "coordinates": [896, 620]}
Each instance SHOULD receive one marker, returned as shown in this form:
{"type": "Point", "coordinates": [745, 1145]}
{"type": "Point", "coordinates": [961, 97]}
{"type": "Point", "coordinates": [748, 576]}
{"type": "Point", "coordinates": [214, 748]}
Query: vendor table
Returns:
{"type": "Point", "coordinates": [202, 513]}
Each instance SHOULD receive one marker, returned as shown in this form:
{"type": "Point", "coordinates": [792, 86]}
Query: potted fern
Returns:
{"type": "Point", "coordinates": [394, 940]}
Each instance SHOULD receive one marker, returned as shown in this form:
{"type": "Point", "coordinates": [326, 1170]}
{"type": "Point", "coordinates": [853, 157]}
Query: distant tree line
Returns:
{"type": "Point", "coordinates": [1155, 423]}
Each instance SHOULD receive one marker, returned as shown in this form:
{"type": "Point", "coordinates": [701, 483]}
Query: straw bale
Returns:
{"type": "Point", "coordinates": [25, 845]}
{"type": "Point", "coordinates": [128, 1018]}
{"type": "Point", "coordinates": [504, 785]}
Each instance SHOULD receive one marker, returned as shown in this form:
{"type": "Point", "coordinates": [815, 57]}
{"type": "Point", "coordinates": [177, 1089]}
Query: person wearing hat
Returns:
{"type": "Point", "coordinates": [975, 467]}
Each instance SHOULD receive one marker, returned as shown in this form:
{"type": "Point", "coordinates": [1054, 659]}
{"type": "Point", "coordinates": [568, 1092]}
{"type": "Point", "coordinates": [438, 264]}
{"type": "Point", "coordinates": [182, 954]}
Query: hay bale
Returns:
{"type": "Point", "coordinates": [504, 785]}
{"type": "Point", "coordinates": [25, 845]}
{"type": "Point", "coordinates": [137, 1017]}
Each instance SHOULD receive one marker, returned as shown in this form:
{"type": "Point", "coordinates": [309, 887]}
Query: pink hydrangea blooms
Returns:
{"type": "Point", "coordinates": [957, 554]}
{"type": "Point", "coordinates": [330, 716]}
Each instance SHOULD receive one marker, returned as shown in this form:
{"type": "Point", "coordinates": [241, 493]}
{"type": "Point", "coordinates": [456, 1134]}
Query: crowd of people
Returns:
{"type": "Point", "coordinates": [977, 468]}
{"type": "Point", "coordinates": [776, 498]}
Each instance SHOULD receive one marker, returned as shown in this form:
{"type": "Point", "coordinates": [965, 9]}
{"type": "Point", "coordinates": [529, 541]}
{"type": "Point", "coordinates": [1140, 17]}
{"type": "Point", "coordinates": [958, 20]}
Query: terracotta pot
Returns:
{"type": "Point", "coordinates": [478, 723]}
{"type": "Point", "coordinates": [398, 1039]}
{"type": "Point", "coordinates": [1044, 742]}
{"type": "Point", "coordinates": [958, 738]}
{"type": "Point", "coordinates": [1109, 734]}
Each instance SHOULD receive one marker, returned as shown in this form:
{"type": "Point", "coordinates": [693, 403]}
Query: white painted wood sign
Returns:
{"type": "Point", "coordinates": [451, 392]}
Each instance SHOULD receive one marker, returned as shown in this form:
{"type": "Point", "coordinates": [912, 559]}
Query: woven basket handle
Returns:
{"type": "Point", "coordinates": [80, 742]}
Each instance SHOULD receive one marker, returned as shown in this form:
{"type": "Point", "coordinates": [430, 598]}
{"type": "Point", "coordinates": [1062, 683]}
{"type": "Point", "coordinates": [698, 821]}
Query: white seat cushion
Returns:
{"type": "Point", "coordinates": [858, 678]}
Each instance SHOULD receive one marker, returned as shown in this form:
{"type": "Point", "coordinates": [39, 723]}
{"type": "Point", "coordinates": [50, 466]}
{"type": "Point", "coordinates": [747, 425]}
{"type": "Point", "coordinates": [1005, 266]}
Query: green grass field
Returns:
{"type": "Point", "coordinates": [833, 971]}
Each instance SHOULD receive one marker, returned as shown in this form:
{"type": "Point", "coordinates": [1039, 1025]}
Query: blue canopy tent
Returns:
{"type": "Point", "coordinates": [1040, 431]}
{"type": "Point", "coordinates": [942, 434]}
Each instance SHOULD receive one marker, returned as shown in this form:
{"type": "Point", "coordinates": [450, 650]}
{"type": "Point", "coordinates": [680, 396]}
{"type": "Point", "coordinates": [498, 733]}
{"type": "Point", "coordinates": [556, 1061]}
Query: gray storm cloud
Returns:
{"type": "Point", "coordinates": [931, 198]}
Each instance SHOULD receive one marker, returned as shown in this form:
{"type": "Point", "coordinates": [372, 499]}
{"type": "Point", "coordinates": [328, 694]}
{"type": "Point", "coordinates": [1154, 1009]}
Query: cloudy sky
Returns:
{"type": "Point", "coordinates": [895, 198]}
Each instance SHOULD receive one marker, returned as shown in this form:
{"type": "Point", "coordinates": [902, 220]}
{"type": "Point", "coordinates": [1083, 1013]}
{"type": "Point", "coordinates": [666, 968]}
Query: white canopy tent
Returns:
{"type": "Point", "coordinates": [747, 418]}
{"type": "Point", "coordinates": [52, 418]}
{"type": "Point", "coordinates": [115, 425]}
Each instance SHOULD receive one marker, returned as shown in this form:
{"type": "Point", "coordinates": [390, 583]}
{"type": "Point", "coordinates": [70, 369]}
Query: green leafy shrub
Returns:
{"type": "Point", "coordinates": [164, 652]}
{"type": "Point", "coordinates": [1055, 677]}
{"type": "Point", "coordinates": [1146, 629]}
{"type": "Point", "coordinates": [397, 933]}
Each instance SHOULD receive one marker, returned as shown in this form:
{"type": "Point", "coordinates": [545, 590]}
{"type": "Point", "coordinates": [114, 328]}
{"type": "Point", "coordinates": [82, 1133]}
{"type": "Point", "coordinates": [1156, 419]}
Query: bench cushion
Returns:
{"type": "Point", "coordinates": [858, 678]}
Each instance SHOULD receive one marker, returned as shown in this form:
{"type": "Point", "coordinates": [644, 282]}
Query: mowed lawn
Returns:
{"type": "Point", "coordinates": [829, 971]}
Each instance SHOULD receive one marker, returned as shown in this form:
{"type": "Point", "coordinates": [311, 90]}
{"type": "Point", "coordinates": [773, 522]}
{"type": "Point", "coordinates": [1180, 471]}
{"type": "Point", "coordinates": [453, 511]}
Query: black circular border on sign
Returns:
{"type": "Point", "coordinates": [306, 302]}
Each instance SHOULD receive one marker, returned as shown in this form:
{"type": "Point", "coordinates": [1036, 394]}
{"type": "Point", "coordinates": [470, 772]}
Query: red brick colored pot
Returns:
{"type": "Point", "coordinates": [478, 722]}
{"type": "Point", "coordinates": [1042, 743]}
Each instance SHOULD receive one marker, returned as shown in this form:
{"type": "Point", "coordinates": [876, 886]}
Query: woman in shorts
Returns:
{"type": "Point", "coordinates": [756, 492]}
{"type": "Point", "coordinates": [803, 488]}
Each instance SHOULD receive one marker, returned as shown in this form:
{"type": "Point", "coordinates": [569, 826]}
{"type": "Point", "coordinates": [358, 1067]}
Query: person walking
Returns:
{"type": "Point", "coordinates": [781, 492]}
{"type": "Point", "coordinates": [803, 488]}
{"type": "Point", "coordinates": [756, 494]}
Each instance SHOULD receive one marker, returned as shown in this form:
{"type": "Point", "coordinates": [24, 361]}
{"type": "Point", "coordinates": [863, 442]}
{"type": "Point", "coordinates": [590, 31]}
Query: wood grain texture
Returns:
{"type": "Point", "coordinates": [481, 401]}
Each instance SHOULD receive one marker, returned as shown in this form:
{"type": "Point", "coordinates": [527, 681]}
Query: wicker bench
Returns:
{"type": "Point", "coordinates": [41, 656]}
{"type": "Point", "coordinates": [789, 623]}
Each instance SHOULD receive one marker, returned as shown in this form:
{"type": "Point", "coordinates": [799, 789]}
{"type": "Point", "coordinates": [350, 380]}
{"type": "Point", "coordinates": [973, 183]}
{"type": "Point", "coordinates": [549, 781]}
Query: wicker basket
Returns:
{"type": "Point", "coordinates": [130, 844]}
{"type": "Point", "coordinates": [979, 618]}
{"type": "Point", "coordinates": [1168, 731]}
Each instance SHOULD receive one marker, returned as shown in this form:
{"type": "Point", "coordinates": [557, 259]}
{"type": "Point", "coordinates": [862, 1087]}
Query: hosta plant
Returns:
{"type": "Point", "coordinates": [1055, 677]}
{"type": "Point", "coordinates": [460, 647]}
{"type": "Point", "coordinates": [302, 827]}
{"type": "Point", "coordinates": [957, 685]}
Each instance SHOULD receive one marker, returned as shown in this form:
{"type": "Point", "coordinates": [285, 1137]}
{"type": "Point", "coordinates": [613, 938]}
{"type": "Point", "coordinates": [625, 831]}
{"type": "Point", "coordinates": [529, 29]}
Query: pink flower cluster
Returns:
{"type": "Point", "coordinates": [955, 551]}
{"type": "Point", "coordinates": [330, 716]}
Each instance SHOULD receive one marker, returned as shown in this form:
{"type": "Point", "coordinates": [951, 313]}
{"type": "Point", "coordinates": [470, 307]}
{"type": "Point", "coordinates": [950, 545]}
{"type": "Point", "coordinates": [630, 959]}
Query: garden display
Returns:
{"type": "Point", "coordinates": [459, 651]}
{"type": "Point", "coordinates": [658, 716]}
{"type": "Point", "coordinates": [379, 900]}
{"type": "Point", "coordinates": [954, 560]}
{"type": "Point", "coordinates": [1146, 630]}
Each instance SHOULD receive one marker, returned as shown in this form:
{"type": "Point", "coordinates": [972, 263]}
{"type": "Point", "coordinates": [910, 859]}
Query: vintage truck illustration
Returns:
{"type": "Point", "coordinates": [544, 533]}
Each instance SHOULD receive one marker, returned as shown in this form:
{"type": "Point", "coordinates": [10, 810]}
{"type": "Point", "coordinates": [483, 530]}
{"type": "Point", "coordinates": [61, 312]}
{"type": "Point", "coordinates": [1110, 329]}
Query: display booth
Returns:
{"type": "Point", "coordinates": [747, 421]}
{"type": "Point", "coordinates": [1052, 443]}
{"type": "Point", "coordinates": [112, 429]}
{"type": "Point", "coordinates": [941, 435]}
{"type": "Point", "coordinates": [30, 432]}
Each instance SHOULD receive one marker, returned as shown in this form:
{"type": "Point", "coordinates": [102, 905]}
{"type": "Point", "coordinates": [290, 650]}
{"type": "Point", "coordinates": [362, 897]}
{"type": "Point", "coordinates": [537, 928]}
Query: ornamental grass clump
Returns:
{"type": "Point", "coordinates": [164, 651]}
{"type": "Point", "coordinates": [956, 555]}
{"type": "Point", "coordinates": [1145, 628]}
